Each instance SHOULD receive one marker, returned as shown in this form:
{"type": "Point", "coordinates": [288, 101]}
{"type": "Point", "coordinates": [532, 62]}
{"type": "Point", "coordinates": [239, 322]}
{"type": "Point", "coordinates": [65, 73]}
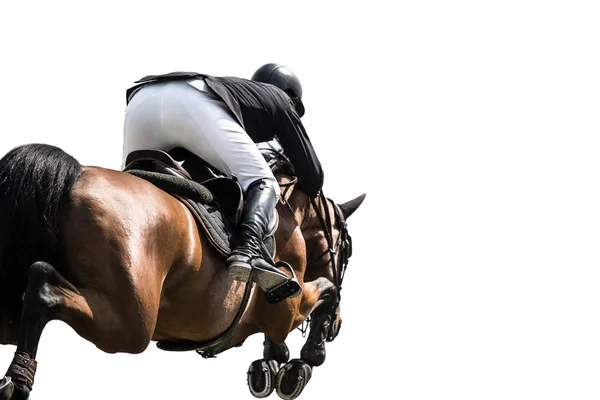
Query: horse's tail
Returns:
{"type": "Point", "coordinates": [34, 180]}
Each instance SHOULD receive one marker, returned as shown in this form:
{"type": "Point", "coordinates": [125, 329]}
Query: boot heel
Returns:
{"type": "Point", "coordinates": [276, 284]}
{"type": "Point", "coordinates": [266, 276]}
{"type": "Point", "coordinates": [239, 271]}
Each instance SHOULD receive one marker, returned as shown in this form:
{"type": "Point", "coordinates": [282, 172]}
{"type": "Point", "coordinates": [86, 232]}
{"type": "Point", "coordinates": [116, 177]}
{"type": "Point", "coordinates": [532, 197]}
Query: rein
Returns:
{"type": "Point", "coordinates": [343, 245]}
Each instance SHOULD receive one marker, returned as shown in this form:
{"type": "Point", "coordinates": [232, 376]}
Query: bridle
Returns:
{"type": "Point", "coordinates": [341, 247]}
{"type": "Point", "coordinates": [343, 244]}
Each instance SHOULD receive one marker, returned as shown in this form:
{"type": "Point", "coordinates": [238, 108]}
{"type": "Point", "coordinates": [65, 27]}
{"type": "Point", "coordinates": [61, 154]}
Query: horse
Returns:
{"type": "Point", "coordinates": [124, 263]}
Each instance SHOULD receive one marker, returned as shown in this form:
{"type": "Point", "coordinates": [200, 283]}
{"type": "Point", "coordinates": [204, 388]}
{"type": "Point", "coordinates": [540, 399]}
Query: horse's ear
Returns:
{"type": "Point", "coordinates": [350, 206]}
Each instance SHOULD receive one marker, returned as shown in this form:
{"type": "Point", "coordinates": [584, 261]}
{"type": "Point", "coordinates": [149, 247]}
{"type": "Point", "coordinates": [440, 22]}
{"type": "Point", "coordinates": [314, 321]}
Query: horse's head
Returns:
{"type": "Point", "coordinates": [323, 223]}
{"type": "Point", "coordinates": [329, 246]}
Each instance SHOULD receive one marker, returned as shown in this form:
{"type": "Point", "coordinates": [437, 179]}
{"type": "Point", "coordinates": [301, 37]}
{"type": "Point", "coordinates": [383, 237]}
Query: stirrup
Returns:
{"type": "Point", "coordinates": [276, 285]}
{"type": "Point", "coordinates": [255, 269]}
{"type": "Point", "coordinates": [266, 275]}
{"type": "Point", "coordinates": [290, 288]}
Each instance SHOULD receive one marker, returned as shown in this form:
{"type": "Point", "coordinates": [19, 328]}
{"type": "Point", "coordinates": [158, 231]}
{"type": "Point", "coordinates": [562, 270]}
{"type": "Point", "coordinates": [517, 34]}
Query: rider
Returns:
{"type": "Point", "coordinates": [220, 119]}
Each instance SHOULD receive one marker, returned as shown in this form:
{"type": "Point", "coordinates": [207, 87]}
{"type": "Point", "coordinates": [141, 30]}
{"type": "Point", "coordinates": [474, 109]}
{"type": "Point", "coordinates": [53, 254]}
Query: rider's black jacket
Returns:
{"type": "Point", "coordinates": [265, 112]}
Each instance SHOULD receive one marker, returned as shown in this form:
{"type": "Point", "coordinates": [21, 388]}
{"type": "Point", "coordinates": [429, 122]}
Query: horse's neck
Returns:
{"type": "Point", "coordinates": [307, 217]}
{"type": "Point", "coordinates": [297, 202]}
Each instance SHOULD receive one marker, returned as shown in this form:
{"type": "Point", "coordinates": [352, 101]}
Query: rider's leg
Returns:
{"type": "Point", "coordinates": [142, 128]}
{"type": "Point", "coordinates": [176, 114]}
{"type": "Point", "coordinates": [260, 201]}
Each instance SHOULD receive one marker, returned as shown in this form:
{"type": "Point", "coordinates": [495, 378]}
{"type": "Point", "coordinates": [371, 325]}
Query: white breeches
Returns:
{"type": "Point", "coordinates": [166, 115]}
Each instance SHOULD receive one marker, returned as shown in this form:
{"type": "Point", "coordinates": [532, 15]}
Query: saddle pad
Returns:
{"type": "Point", "coordinates": [219, 230]}
{"type": "Point", "coordinates": [200, 201]}
{"type": "Point", "coordinates": [204, 206]}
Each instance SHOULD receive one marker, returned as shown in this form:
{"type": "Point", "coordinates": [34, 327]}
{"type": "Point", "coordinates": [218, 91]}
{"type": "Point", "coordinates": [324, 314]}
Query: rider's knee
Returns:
{"type": "Point", "coordinates": [272, 183]}
{"type": "Point", "coordinates": [269, 183]}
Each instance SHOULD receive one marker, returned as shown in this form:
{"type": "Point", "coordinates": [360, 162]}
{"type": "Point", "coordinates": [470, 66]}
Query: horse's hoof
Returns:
{"type": "Point", "coordinates": [20, 392]}
{"type": "Point", "coordinates": [6, 388]}
{"type": "Point", "coordinates": [261, 377]}
{"type": "Point", "coordinates": [292, 378]}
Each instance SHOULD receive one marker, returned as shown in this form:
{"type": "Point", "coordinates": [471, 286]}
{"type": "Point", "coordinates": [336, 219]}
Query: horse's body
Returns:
{"type": "Point", "coordinates": [123, 263]}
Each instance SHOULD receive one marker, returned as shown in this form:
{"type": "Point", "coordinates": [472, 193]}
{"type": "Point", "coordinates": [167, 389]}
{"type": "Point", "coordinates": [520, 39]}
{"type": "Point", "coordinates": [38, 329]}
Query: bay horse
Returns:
{"type": "Point", "coordinates": [124, 263]}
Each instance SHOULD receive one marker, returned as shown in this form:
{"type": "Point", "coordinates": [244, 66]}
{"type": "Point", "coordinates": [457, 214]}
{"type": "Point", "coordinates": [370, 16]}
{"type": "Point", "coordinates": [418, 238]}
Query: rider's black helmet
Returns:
{"type": "Point", "coordinates": [284, 79]}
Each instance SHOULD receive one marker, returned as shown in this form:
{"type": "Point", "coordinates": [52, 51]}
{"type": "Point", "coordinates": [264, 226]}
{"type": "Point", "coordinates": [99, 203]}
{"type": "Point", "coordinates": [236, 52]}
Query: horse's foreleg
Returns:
{"type": "Point", "coordinates": [262, 373]}
{"type": "Point", "coordinates": [51, 297]}
{"type": "Point", "coordinates": [318, 303]}
{"type": "Point", "coordinates": [313, 351]}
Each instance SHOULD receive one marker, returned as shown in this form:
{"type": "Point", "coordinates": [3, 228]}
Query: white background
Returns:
{"type": "Point", "coordinates": [472, 127]}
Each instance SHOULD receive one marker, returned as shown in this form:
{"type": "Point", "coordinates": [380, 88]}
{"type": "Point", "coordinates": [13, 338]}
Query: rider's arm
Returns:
{"type": "Point", "coordinates": [300, 151]}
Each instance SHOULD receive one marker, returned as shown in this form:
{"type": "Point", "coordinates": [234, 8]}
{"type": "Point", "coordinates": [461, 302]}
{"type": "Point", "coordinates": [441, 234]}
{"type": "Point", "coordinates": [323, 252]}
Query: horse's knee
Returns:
{"type": "Point", "coordinates": [326, 288]}
{"type": "Point", "coordinates": [317, 294]}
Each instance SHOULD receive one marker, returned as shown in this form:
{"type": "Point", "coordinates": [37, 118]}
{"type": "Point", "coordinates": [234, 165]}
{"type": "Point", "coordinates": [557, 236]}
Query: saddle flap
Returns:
{"type": "Point", "coordinates": [228, 194]}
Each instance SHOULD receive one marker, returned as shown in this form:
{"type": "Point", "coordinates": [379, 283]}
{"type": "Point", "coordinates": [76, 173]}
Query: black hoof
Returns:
{"type": "Point", "coordinates": [292, 378]}
{"type": "Point", "coordinates": [21, 392]}
{"type": "Point", "coordinates": [6, 388]}
{"type": "Point", "coordinates": [261, 377]}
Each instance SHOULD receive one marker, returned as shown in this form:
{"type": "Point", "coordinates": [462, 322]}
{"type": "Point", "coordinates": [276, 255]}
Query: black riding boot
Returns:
{"type": "Point", "coordinates": [246, 260]}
